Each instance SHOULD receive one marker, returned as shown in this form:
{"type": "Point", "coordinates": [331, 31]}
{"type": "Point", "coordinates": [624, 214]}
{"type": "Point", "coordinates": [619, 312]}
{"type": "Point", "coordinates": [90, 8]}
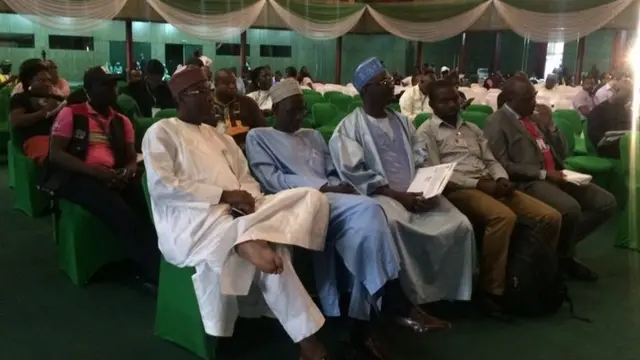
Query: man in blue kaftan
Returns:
{"type": "Point", "coordinates": [286, 157]}
{"type": "Point", "coordinates": [376, 151]}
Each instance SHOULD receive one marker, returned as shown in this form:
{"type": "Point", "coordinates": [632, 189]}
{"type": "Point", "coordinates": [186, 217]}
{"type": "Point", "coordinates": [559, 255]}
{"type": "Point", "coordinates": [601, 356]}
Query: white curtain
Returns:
{"type": "Point", "coordinates": [315, 30]}
{"type": "Point", "coordinates": [430, 31]}
{"type": "Point", "coordinates": [210, 27]}
{"type": "Point", "coordinates": [559, 27]}
{"type": "Point", "coordinates": [68, 15]}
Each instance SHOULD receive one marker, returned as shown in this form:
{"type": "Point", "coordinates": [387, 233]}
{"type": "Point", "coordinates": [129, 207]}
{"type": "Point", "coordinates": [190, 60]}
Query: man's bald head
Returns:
{"type": "Point", "coordinates": [519, 95]}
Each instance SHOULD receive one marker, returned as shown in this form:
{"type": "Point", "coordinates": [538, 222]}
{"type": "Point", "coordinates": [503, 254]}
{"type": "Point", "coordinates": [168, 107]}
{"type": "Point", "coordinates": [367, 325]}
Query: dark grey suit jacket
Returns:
{"type": "Point", "coordinates": [517, 150]}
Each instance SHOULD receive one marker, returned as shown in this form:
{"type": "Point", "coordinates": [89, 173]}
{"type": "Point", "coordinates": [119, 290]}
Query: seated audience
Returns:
{"type": "Point", "coordinates": [414, 100]}
{"type": "Point", "coordinates": [263, 80]}
{"type": "Point", "coordinates": [377, 152]}
{"type": "Point", "coordinates": [481, 189]}
{"type": "Point", "coordinates": [94, 165]}
{"type": "Point", "coordinates": [287, 157]}
{"type": "Point", "coordinates": [60, 86]}
{"type": "Point", "coordinates": [534, 161]}
{"type": "Point", "coordinates": [237, 113]}
{"type": "Point", "coordinates": [210, 214]}
{"type": "Point", "coordinates": [151, 93]}
{"type": "Point", "coordinates": [613, 114]}
{"type": "Point", "coordinates": [583, 101]}
{"type": "Point", "coordinates": [33, 111]}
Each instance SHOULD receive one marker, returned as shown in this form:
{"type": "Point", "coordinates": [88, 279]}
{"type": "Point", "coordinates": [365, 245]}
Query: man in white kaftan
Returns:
{"type": "Point", "coordinates": [210, 214]}
{"type": "Point", "coordinates": [377, 151]}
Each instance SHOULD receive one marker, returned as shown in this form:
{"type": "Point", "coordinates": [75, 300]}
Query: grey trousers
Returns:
{"type": "Point", "coordinates": [583, 209]}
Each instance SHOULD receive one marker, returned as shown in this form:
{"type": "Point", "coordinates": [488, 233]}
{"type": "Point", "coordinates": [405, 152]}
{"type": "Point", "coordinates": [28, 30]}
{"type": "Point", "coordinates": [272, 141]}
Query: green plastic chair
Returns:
{"type": "Point", "coordinates": [326, 131]}
{"type": "Point", "coordinates": [421, 119]}
{"type": "Point", "coordinates": [394, 106]}
{"type": "Point", "coordinates": [477, 118]}
{"type": "Point", "coordinates": [166, 113]}
{"type": "Point", "coordinates": [354, 105]}
{"type": "Point", "coordinates": [330, 94]}
{"type": "Point", "coordinates": [341, 101]}
{"type": "Point", "coordinates": [575, 121]}
{"type": "Point", "coordinates": [627, 235]}
{"type": "Point", "coordinates": [309, 101]}
{"type": "Point", "coordinates": [480, 108]}
{"type": "Point", "coordinates": [597, 167]}
{"type": "Point", "coordinates": [129, 106]}
{"type": "Point", "coordinates": [141, 125]}
{"type": "Point", "coordinates": [357, 97]}
{"type": "Point", "coordinates": [85, 244]}
{"type": "Point", "coordinates": [11, 177]}
{"type": "Point", "coordinates": [26, 196]}
{"type": "Point", "coordinates": [326, 114]}
{"type": "Point", "coordinates": [178, 318]}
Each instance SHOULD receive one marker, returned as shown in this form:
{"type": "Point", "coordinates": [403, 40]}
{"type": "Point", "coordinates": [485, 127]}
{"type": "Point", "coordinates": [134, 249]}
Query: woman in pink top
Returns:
{"type": "Point", "coordinates": [60, 85]}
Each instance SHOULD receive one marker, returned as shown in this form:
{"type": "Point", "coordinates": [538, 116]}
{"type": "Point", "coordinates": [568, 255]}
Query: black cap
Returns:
{"type": "Point", "coordinates": [98, 75]}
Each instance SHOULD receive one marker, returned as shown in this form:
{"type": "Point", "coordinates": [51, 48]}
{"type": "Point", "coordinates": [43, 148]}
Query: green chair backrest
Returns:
{"type": "Point", "coordinates": [421, 119]}
{"type": "Point", "coordinates": [567, 132]}
{"type": "Point", "coordinates": [354, 105]}
{"type": "Point", "coordinates": [325, 114]}
{"type": "Point", "coordinates": [573, 117]}
{"type": "Point", "coordinates": [629, 155]}
{"type": "Point", "coordinates": [341, 101]}
{"type": "Point", "coordinates": [394, 107]}
{"type": "Point", "coordinates": [480, 108]}
{"type": "Point", "coordinates": [357, 98]}
{"type": "Point", "coordinates": [591, 150]}
{"type": "Point", "coordinates": [475, 117]}
{"type": "Point", "coordinates": [330, 94]}
{"type": "Point", "coordinates": [129, 106]}
{"type": "Point", "coordinates": [166, 113]}
{"type": "Point", "coordinates": [310, 100]}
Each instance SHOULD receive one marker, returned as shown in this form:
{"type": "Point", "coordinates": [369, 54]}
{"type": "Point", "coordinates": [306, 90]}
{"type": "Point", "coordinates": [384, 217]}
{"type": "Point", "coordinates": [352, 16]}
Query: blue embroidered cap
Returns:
{"type": "Point", "coordinates": [367, 70]}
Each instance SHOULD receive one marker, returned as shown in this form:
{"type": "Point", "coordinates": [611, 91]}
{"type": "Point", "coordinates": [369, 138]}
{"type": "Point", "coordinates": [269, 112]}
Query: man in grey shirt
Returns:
{"type": "Point", "coordinates": [480, 187]}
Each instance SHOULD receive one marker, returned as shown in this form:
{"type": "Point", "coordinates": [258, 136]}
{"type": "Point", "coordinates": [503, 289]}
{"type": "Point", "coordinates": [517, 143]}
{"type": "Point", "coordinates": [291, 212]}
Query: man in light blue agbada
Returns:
{"type": "Point", "coordinates": [377, 151]}
{"type": "Point", "coordinates": [286, 157]}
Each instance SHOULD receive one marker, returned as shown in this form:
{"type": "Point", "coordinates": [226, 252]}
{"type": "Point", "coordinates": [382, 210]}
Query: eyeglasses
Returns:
{"type": "Point", "coordinates": [196, 92]}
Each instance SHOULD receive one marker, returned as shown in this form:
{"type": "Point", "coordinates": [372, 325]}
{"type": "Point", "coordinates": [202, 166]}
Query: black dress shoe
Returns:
{"type": "Point", "coordinates": [578, 270]}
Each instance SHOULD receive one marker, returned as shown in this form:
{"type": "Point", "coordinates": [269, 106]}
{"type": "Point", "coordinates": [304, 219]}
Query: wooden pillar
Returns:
{"type": "Point", "coordinates": [130, 58]}
{"type": "Point", "coordinates": [418, 55]}
{"type": "Point", "coordinates": [243, 52]}
{"type": "Point", "coordinates": [462, 63]}
{"type": "Point", "coordinates": [495, 63]}
{"type": "Point", "coordinates": [540, 59]}
{"type": "Point", "coordinates": [338, 75]}
{"type": "Point", "coordinates": [577, 77]}
{"type": "Point", "coordinates": [618, 51]}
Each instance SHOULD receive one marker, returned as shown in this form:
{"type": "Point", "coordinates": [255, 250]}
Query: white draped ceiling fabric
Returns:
{"type": "Point", "coordinates": [558, 27]}
{"type": "Point", "coordinates": [317, 30]}
{"type": "Point", "coordinates": [68, 15]}
{"type": "Point", "coordinates": [430, 31]}
{"type": "Point", "coordinates": [74, 15]}
{"type": "Point", "coordinates": [210, 26]}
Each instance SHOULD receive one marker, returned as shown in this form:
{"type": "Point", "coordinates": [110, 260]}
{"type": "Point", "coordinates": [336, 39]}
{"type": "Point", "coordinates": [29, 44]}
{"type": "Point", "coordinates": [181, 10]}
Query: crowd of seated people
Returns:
{"type": "Point", "coordinates": [231, 196]}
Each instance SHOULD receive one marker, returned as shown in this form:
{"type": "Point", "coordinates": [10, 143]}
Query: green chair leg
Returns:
{"type": "Point", "coordinates": [178, 318]}
{"type": "Point", "coordinates": [10, 165]}
{"type": "Point", "coordinates": [85, 244]}
{"type": "Point", "coordinates": [26, 196]}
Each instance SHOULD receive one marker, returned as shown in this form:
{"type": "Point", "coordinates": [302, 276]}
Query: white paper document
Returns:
{"type": "Point", "coordinates": [576, 177]}
{"type": "Point", "coordinates": [431, 181]}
